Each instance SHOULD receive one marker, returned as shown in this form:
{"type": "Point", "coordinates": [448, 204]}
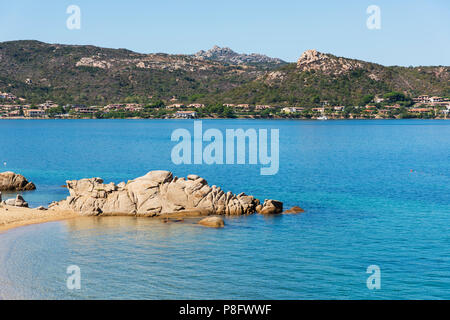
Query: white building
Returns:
{"type": "Point", "coordinates": [186, 114]}
{"type": "Point", "coordinates": [292, 109]}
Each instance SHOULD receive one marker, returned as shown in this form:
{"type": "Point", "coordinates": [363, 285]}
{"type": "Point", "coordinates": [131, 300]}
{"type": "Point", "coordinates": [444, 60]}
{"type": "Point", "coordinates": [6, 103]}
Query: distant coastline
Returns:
{"type": "Point", "coordinates": [394, 105]}
{"type": "Point", "coordinates": [235, 118]}
{"type": "Point", "coordinates": [44, 80]}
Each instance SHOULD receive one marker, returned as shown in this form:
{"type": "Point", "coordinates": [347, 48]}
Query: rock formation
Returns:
{"type": "Point", "coordinates": [327, 63]}
{"type": "Point", "coordinates": [159, 193]}
{"type": "Point", "coordinates": [271, 207]}
{"type": "Point", "coordinates": [19, 201]}
{"type": "Point", "coordinates": [10, 181]}
{"type": "Point", "coordinates": [212, 222]}
{"type": "Point", "coordinates": [310, 56]}
{"type": "Point", "coordinates": [227, 55]}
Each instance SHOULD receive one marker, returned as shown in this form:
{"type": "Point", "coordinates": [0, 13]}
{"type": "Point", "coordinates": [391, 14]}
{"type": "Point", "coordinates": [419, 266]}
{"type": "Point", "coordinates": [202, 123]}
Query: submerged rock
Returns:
{"type": "Point", "coordinates": [212, 222]}
{"type": "Point", "coordinates": [294, 209]}
{"type": "Point", "coordinates": [10, 181]}
{"type": "Point", "coordinates": [168, 220]}
{"type": "Point", "coordinates": [158, 193]}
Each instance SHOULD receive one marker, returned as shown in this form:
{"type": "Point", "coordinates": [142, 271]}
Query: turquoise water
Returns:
{"type": "Point", "coordinates": [375, 192]}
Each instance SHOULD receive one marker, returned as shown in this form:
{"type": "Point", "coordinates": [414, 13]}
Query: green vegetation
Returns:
{"type": "Point", "coordinates": [52, 112]}
{"type": "Point", "coordinates": [57, 73]}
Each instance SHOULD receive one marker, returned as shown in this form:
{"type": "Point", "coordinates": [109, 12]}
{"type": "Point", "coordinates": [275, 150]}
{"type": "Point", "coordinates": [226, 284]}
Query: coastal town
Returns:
{"type": "Point", "coordinates": [392, 105]}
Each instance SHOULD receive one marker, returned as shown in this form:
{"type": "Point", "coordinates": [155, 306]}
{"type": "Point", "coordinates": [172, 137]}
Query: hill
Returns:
{"type": "Point", "coordinates": [317, 77]}
{"type": "Point", "coordinates": [87, 74]}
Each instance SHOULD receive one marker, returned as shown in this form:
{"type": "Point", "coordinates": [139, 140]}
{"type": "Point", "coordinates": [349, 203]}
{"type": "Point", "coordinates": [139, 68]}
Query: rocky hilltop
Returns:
{"type": "Point", "coordinates": [159, 193]}
{"type": "Point", "coordinates": [314, 60]}
{"type": "Point", "coordinates": [10, 181]}
{"type": "Point", "coordinates": [227, 55]}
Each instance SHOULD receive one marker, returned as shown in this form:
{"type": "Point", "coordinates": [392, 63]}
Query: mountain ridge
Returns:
{"type": "Point", "coordinates": [89, 74]}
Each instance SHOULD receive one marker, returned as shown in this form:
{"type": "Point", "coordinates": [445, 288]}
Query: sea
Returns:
{"type": "Point", "coordinates": [376, 195]}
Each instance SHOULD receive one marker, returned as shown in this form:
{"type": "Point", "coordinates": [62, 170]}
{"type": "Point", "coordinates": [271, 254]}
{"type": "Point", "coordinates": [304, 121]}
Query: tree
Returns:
{"type": "Point", "coordinates": [315, 99]}
{"type": "Point", "coordinates": [394, 96]}
{"type": "Point", "coordinates": [367, 99]}
{"type": "Point", "coordinates": [54, 111]}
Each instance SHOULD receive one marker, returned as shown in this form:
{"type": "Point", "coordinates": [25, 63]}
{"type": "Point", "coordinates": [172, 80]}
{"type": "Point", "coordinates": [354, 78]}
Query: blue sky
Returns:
{"type": "Point", "coordinates": [413, 32]}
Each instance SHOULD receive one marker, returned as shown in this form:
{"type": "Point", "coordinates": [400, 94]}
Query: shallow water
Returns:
{"type": "Point", "coordinates": [364, 206]}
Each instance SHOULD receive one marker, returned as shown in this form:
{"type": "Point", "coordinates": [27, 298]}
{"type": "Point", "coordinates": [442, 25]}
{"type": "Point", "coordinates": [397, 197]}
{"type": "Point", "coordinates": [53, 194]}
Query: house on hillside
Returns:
{"type": "Point", "coordinates": [34, 113]}
{"type": "Point", "coordinates": [175, 105]}
{"type": "Point", "coordinates": [186, 114]}
{"type": "Point", "coordinates": [196, 105]}
{"type": "Point", "coordinates": [14, 113]}
{"type": "Point", "coordinates": [420, 110]}
{"type": "Point", "coordinates": [47, 105]}
{"type": "Point", "coordinates": [292, 109]}
{"type": "Point", "coordinates": [396, 106]}
{"type": "Point", "coordinates": [422, 99]}
{"type": "Point", "coordinates": [85, 110]}
{"type": "Point", "coordinates": [113, 107]}
{"type": "Point", "coordinates": [436, 99]}
{"type": "Point", "coordinates": [262, 107]}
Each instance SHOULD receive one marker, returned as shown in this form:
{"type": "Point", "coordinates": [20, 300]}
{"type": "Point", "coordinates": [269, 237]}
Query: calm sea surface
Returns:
{"type": "Point", "coordinates": [375, 192]}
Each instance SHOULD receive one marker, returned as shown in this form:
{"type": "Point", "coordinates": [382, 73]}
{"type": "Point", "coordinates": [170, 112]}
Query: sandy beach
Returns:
{"type": "Point", "coordinates": [13, 217]}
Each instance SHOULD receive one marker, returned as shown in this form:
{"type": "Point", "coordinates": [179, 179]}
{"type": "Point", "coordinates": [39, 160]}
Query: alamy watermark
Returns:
{"type": "Point", "coordinates": [373, 22]}
{"type": "Point", "coordinates": [74, 279]}
{"type": "Point", "coordinates": [73, 22]}
{"type": "Point", "coordinates": [374, 280]}
{"type": "Point", "coordinates": [190, 148]}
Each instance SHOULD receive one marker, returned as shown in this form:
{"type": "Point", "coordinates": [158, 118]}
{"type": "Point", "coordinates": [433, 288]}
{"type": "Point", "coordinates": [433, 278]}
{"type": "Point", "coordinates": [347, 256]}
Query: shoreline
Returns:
{"type": "Point", "coordinates": [16, 217]}
{"type": "Point", "coordinates": [270, 119]}
{"type": "Point", "coordinates": [13, 217]}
